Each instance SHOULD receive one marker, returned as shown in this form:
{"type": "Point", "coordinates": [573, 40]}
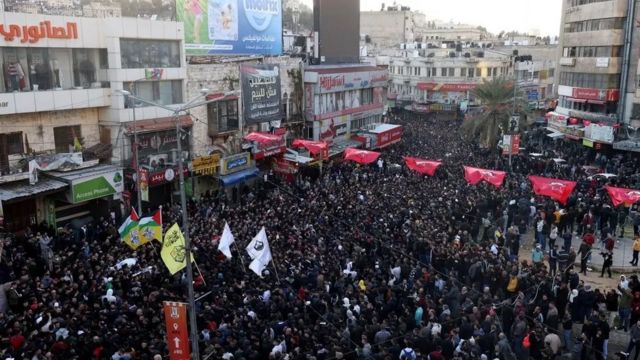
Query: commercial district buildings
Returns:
{"type": "Point", "coordinates": [80, 82]}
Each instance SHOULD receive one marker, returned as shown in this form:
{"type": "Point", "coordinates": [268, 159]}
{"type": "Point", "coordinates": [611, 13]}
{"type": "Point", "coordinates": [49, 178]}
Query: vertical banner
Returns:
{"type": "Point", "coordinates": [511, 142]}
{"type": "Point", "coordinates": [261, 93]}
{"type": "Point", "coordinates": [175, 316]}
{"type": "Point", "coordinates": [144, 184]}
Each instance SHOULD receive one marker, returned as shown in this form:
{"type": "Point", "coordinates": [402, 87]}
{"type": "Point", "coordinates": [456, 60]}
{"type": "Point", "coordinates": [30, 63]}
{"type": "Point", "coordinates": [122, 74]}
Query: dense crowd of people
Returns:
{"type": "Point", "coordinates": [369, 262]}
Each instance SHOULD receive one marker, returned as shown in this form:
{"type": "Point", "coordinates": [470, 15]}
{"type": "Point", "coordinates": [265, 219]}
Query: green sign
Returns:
{"type": "Point", "coordinates": [97, 186]}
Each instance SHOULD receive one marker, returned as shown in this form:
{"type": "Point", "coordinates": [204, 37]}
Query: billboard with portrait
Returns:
{"type": "Point", "coordinates": [231, 27]}
{"type": "Point", "coordinates": [261, 93]}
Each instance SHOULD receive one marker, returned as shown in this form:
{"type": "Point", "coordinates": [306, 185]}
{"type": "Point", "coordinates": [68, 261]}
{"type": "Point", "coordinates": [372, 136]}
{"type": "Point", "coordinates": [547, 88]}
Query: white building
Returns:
{"type": "Point", "coordinates": [59, 88]}
{"type": "Point", "coordinates": [442, 77]}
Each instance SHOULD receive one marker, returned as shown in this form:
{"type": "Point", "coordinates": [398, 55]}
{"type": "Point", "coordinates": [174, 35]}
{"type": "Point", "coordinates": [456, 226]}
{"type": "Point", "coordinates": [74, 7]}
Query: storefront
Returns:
{"type": "Point", "coordinates": [158, 159]}
{"type": "Point", "coordinates": [446, 93]}
{"type": "Point", "coordinates": [264, 145]}
{"type": "Point", "coordinates": [235, 171]}
{"type": "Point", "coordinates": [204, 170]}
{"type": "Point", "coordinates": [92, 193]}
{"type": "Point", "coordinates": [23, 205]}
{"type": "Point", "coordinates": [341, 100]}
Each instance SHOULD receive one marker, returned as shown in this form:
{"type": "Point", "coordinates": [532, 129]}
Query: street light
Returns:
{"type": "Point", "coordinates": [193, 103]}
{"type": "Point", "coordinates": [127, 95]}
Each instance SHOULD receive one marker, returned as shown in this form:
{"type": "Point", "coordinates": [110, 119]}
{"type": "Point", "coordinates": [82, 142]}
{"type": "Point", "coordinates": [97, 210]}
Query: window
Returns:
{"type": "Point", "coordinates": [65, 137]}
{"type": "Point", "coordinates": [223, 116]}
{"type": "Point", "coordinates": [163, 92]}
{"type": "Point", "coordinates": [479, 72]}
{"type": "Point", "coordinates": [598, 81]}
{"type": "Point", "coordinates": [471, 72]}
{"type": "Point", "coordinates": [11, 143]}
{"type": "Point", "coordinates": [552, 72]}
{"type": "Point", "coordinates": [443, 72]}
{"type": "Point", "coordinates": [595, 25]}
{"type": "Point", "coordinates": [489, 72]}
{"type": "Point", "coordinates": [463, 72]}
{"type": "Point", "coordinates": [367, 96]}
{"type": "Point", "coordinates": [495, 71]}
{"type": "Point", "coordinates": [452, 72]}
{"type": "Point", "coordinates": [137, 54]}
{"type": "Point", "coordinates": [583, 2]}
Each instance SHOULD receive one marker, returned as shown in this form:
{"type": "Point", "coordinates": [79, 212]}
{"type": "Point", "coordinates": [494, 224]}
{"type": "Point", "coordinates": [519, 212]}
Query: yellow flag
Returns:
{"type": "Point", "coordinates": [173, 250]}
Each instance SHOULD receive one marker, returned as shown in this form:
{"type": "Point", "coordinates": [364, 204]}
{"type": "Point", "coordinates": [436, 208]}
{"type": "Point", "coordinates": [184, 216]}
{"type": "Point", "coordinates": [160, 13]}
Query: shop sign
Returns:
{"type": "Point", "coordinates": [352, 81]}
{"type": "Point", "coordinates": [602, 62]}
{"type": "Point", "coordinates": [165, 175]}
{"type": "Point", "coordinates": [335, 129]}
{"type": "Point", "coordinates": [596, 94]}
{"type": "Point", "coordinates": [157, 145]}
{"type": "Point", "coordinates": [144, 184]}
{"type": "Point", "coordinates": [234, 163]}
{"type": "Point", "coordinates": [389, 137]}
{"type": "Point", "coordinates": [587, 143]}
{"type": "Point", "coordinates": [205, 165]}
{"type": "Point", "coordinates": [34, 33]}
{"type": "Point", "coordinates": [97, 186]}
{"type": "Point", "coordinates": [308, 100]}
{"type": "Point", "coordinates": [601, 133]}
{"type": "Point", "coordinates": [573, 132]}
{"type": "Point", "coordinates": [446, 87]}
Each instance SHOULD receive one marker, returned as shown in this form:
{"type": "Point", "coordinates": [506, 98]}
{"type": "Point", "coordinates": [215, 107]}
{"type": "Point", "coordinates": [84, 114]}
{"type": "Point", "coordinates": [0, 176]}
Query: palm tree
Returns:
{"type": "Point", "coordinates": [496, 99]}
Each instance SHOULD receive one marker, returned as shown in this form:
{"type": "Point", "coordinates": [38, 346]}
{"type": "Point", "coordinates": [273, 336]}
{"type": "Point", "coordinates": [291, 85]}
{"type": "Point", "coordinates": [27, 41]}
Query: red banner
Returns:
{"type": "Point", "coordinates": [623, 196]}
{"type": "Point", "coordinates": [266, 144]}
{"type": "Point", "coordinates": [515, 145]}
{"type": "Point", "coordinates": [389, 137]}
{"type": "Point", "coordinates": [314, 147]}
{"type": "Point", "coordinates": [175, 316]}
{"type": "Point", "coordinates": [556, 189]}
{"type": "Point", "coordinates": [427, 167]}
{"type": "Point", "coordinates": [361, 156]}
{"type": "Point", "coordinates": [475, 175]}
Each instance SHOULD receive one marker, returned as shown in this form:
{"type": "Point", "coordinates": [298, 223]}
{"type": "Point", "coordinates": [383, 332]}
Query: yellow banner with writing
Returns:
{"type": "Point", "coordinates": [173, 252]}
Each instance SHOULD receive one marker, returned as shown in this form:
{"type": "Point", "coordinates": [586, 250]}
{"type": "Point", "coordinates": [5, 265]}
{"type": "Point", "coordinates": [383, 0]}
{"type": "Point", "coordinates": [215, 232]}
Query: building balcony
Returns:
{"type": "Point", "coordinates": [54, 100]}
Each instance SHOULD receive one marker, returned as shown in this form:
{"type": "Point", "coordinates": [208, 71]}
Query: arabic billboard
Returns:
{"type": "Point", "coordinates": [231, 27]}
{"type": "Point", "coordinates": [261, 93]}
{"type": "Point", "coordinates": [157, 10]}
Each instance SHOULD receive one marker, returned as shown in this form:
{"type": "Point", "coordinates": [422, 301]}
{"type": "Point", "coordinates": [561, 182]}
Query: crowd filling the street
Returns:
{"type": "Point", "coordinates": [368, 262]}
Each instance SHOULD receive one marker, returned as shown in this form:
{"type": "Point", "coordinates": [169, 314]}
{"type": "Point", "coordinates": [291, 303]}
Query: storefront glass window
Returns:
{"type": "Point", "coordinates": [137, 54]}
{"type": "Point", "coordinates": [39, 69]}
{"type": "Point", "coordinates": [163, 92]}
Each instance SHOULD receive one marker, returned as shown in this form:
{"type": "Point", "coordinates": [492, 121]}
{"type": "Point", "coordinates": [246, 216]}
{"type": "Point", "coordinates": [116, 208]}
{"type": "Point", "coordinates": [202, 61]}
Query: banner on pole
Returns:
{"type": "Point", "coordinates": [175, 316]}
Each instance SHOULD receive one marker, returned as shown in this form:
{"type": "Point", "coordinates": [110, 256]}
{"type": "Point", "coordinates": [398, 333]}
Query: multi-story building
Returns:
{"type": "Point", "coordinates": [590, 65]}
{"type": "Point", "coordinates": [340, 100]}
{"type": "Point", "coordinates": [60, 93]}
{"type": "Point", "coordinates": [450, 33]}
{"type": "Point", "coordinates": [442, 79]}
{"type": "Point", "coordinates": [390, 27]}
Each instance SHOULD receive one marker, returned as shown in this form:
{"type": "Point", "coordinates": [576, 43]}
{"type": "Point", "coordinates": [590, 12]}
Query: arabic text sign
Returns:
{"type": "Point", "coordinates": [231, 27]}
{"type": "Point", "coordinates": [34, 33]}
{"type": "Point", "coordinates": [261, 93]}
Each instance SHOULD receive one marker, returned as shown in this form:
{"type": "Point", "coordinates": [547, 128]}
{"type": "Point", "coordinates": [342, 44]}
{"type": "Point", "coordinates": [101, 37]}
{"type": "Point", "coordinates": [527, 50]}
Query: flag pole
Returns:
{"type": "Point", "coordinates": [275, 269]}
{"type": "Point", "coordinates": [240, 256]}
{"type": "Point", "coordinates": [200, 272]}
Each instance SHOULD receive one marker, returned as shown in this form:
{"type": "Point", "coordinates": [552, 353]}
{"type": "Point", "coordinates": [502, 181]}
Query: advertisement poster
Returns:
{"type": "Point", "coordinates": [175, 318]}
{"type": "Point", "coordinates": [156, 10]}
{"type": "Point", "coordinates": [231, 27]}
{"type": "Point", "coordinates": [261, 93]}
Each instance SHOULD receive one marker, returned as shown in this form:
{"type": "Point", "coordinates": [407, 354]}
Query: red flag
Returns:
{"type": "Point", "coordinates": [361, 156]}
{"type": "Point", "coordinates": [422, 166]}
{"type": "Point", "coordinates": [556, 189]}
{"type": "Point", "coordinates": [314, 147]}
{"type": "Point", "coordinates": [475, 175]}
{"type": "Point", "coordinates": [623, 196]}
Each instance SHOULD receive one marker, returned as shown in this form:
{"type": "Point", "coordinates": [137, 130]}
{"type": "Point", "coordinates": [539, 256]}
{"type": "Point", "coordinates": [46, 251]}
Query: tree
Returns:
{"type": "Point", "coordinates": [496, 99]}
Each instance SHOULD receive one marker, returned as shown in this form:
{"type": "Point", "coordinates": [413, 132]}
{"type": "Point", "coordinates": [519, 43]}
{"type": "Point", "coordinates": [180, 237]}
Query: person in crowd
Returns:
{"type": "Point", "coordinates": [357, 251]}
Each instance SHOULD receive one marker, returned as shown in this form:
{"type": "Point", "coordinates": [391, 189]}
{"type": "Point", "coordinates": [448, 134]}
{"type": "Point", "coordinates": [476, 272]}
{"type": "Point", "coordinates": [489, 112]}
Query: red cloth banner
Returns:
{"type": "Point", "coordinates": [175, 317]}
{"type": "Point", "coordinates": [556, 189]}
{"type": "Point", "coordinates": [475, 175]}
{"type": "Point", "coordinates": [427, 167]}
{"type": "Point", "coordinates": [361, 156]}
{"type": "Point", "coordinates": [263, 138]}
{"type": "Point", "coordinates": [623, 196]}
{"type": "Point", "coordinates": [314, 147]}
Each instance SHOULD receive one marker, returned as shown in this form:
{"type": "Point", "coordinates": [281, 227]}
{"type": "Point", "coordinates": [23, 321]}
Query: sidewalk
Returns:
{"type": "Point", "coordinates": [622, 254]}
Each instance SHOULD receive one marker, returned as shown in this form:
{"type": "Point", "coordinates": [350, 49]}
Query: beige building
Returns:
{"type": "Point", "coordinates": [440, 32]}
{"type": "Point", "coordinates": [441, 79]}
{"type": "Point", "coordinates": [590, 62]}
{"type": "Point", "coordinates": [389, 28]}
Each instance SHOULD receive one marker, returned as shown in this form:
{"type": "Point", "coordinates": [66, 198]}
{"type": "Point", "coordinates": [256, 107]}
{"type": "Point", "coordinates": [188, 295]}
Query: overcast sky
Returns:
{"type": "Point", "coordinates": [541, 16]}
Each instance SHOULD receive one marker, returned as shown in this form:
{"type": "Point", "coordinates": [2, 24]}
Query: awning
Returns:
{"type": "Point", "coordinates": [163, 123]}
{"type": "Point", "coordinates": [581, 101]}
{"type": "Point", "coordinates": [555, 134]}
{"type": "Point", "coordinates": [339, 147]}
{"type": "Point", "coordinates": [240, 176]}
{"type": "Point", "coordinates": [16, 191]}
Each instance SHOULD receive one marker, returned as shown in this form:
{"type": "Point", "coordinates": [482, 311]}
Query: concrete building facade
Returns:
{"type": "Point", "coordinates": [388, 28]}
